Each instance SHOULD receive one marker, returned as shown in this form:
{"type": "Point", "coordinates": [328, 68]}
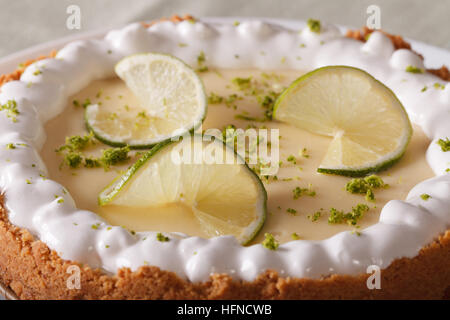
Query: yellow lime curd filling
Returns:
{"type": "Point", "coordinates": [302, 203]}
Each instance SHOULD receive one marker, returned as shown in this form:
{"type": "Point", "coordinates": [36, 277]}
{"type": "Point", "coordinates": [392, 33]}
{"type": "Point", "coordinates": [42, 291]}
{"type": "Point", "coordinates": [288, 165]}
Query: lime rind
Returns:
{"type": "Point", "coordinates": [103, 137]}
{"type": "Point", "coordinates": [357, 172]}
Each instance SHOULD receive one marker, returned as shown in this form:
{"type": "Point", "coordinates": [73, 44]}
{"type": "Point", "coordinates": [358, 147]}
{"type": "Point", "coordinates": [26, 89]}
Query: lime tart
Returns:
{"type": "Point", "coordinates": [186, 159]}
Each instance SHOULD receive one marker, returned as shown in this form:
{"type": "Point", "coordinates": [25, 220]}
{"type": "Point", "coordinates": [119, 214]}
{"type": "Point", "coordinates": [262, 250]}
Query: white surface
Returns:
{"type": "Point", "coordinates": [253, 249]}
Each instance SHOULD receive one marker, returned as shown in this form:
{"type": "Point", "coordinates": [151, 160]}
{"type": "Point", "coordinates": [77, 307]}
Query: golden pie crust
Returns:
{"type": "Point", "coordinates": [33, 271]}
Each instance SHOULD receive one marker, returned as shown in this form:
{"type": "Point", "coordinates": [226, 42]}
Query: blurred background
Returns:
{"type": "Point", "coordinates": [30, 22]}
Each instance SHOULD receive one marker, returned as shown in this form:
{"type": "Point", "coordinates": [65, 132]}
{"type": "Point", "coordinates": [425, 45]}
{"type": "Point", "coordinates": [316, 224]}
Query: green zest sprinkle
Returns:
{"type": "Point", "coordinates": [270, 242]}
{"type": "Point", "coordinates": [214, 98]}
{"type": "Point", "coordinates": [115, 155]}
{"type": "Point", "coordinates": [10, 146]}
{"type": "Point", "coordinates": [76, 143]}
{"type": "Point", "coordinates": [424, 89]}
{"type": "Point", "coordinates": [141, 114]}
{"type": "Point", "coordinates": [291, 211]}
{"type": "Point", "coordinates": [73, 159]}
{"type": "Point", "coordinates": [28, 181]}
{"type": "Point", "coordinates": [236, 23]}
{"type": "Point", "coordinates": [92, 163]}
{"type": "Point", "coordinates": [267, 102]}
{"type": "Point", "coordinates": [444, 144]}
{"type": "Point", "coordinates": [375, 181]}
{"type": "Point", "coordinates": [95, 226]}
{"type": "Point", "coordinates": [11, 109]}
{"type": "Point", "coordinates": [86, 103]}
{"type": "Point", "coordinates": [298, 192]}
{"type": "Point", "coordinates": [261, 91]}
{"type": "Point", "coordinates": [114, 116]}
{"type": "Point", "coordinates": [425, 196]}
{"type": "Point", "coordinates": [292, 159]}
{"type": "Point", "coordinates": [438, 85]}
{"type": "Point", "coordinates": [365, 186]}
{"type": "Point", "coordinates": [370, 196]}
{"type": "Point", "coordinates": [351, 218]}
{"type": "Point", "coordinates": [295, 236]}
{"type": "Point", "coordinates": [315, 216]}
{"type": "Point", "coordinates": [413, 69]}
{"type": "Point", "coordinates": [304, 153]}
{"type": "Point", "coordinates": [314, 25]}
{"type": "Point", "coordinates": [229, 101]}
{"type": "Point", "coordinates": [60, 200]}
{"type": "Point", "coordinates": [357, 185]}
{"type": "Point", "coordinates": [162, 238]}
{"type": "Point", "coordinates": [228, 133]}
{"type": "Point", "coordinates": [201, 59]}
{"type": "Point", "coordinates": [242, 83]}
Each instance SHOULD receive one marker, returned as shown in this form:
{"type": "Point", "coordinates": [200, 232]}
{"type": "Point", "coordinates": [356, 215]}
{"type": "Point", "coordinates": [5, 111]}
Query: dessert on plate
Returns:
{"type": "Point", "coordinates": [191, 160]}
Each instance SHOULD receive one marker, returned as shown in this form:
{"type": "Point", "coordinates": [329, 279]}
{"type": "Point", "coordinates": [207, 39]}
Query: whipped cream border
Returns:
{"type": "Point", "coordinates": [403, 229]}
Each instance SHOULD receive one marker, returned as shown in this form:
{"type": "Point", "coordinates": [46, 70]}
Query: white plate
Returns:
{"type": "Point", "coordinates": [434, 57]}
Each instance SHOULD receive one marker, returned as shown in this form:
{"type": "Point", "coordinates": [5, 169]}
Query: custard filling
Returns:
{"type": "Point", "coordinates": [299, 198]}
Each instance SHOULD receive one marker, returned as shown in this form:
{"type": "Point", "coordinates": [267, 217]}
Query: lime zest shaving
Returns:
{"type": "Point", "coordinates": [269, 242]}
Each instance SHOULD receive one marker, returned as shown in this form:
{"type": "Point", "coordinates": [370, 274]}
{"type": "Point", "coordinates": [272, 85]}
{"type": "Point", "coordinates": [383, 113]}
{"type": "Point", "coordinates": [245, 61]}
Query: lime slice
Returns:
{"type": "Point", "coordinates": [368, 124]}
{"type": "Point", "coordinates": [172, 102]}
{"type": "Point", "coordinates": [222, 192]}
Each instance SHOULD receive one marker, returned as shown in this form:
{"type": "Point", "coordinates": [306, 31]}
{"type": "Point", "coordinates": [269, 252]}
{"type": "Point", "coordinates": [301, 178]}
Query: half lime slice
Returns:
{"type": "Point", "coordinates": [172, 102]}
{"type": "Point", "coordinates": [207, 177]}
{"type": "Point", "coordinates": [369, 127]}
